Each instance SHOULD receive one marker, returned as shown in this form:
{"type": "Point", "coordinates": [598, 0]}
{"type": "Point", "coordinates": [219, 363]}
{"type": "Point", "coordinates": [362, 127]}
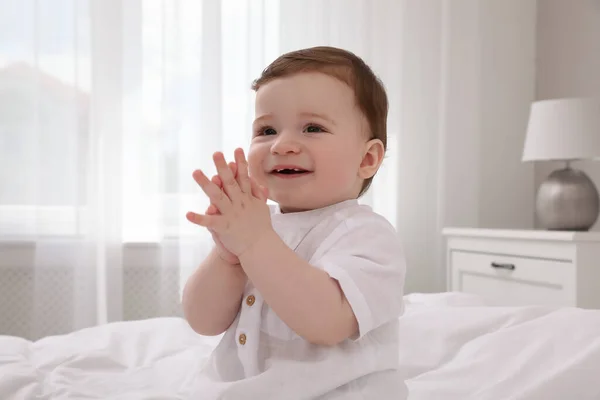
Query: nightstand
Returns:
{"type": "Point", "coordinates": [525, 267]}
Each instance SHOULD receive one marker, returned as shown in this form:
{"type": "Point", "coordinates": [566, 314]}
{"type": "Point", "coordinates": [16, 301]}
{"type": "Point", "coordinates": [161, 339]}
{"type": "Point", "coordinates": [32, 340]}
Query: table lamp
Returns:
{"type": "Point", "coordinates": [565, 130]}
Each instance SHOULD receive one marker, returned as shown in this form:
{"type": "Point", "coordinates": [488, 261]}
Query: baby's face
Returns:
{"type": "Point", "coordinates": [308, 141]}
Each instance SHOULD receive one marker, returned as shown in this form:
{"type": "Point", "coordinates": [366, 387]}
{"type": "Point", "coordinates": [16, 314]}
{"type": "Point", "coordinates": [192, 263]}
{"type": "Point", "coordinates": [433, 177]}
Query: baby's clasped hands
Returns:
{"type": "Point", "coordinates": [243, 215]}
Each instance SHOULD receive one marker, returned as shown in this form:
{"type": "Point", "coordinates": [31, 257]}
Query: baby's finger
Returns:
{"type": "Point", "coordinates": [230, 185]}
{"type": "Point", "coordinates": [212, 210]}
{"type": "Point", "coordinates": [242, 175]}
{"type": "Point", "coordinates": [214, 192]}
{"type": "Point", "coordinates": [217, 181]}
{"type": "Point", "coordinates": [233, 168]}
{"type": "Point", "coordinates": [207, 221]}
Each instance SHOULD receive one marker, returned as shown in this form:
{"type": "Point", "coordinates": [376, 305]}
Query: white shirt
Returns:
{"type": "Point", "coordinates": [260, 357]}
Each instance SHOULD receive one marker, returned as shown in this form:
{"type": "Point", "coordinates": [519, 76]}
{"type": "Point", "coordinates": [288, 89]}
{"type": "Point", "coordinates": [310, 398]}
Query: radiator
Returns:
{"type": "Point", "coordinates": [54, 300]}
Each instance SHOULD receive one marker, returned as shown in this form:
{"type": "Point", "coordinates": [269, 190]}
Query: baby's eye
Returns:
{"type": "Point", "coordinates": [314, 129]}
{"type": "Point", "coordinates": [266, 131]}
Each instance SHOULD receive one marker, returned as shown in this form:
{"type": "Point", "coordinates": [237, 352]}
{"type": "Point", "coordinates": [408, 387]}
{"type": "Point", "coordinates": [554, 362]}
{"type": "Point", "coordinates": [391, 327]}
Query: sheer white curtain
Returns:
{"type": "Point", "coordinates": [107, 106]}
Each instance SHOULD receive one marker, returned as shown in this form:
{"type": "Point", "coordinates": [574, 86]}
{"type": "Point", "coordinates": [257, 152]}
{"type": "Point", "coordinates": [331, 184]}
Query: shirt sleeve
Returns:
{"type": "Point", "coordinates": [366, 258]}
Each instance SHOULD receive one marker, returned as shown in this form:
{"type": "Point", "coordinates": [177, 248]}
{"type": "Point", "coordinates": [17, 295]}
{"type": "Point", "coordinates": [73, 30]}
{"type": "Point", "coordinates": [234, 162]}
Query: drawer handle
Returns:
{"type": "Point", "coordinates": [503, 266]}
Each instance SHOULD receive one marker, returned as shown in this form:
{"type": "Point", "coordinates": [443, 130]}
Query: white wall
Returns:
{"type": "Point", "coordinates": [467, 84]}
{"type": "Point", "coordinates": [568, 61]}
{"type": "Point", "coordinates": [417, 145]}
{"type": "Point", "coordinates": [471, 70]}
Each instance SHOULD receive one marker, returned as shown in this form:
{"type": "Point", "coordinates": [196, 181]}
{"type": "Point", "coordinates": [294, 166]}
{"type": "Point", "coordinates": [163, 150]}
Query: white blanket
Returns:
{"type": "Point", "coordinates": [454, 348]}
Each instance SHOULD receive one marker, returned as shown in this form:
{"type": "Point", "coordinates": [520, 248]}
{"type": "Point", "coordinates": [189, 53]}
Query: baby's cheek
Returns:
{"type": "Point", "coordinates": [335, 180]}
{"type": "Point", "coordinates": [256, 172]}
{"type": "Point", "coordinates": [340, 170]}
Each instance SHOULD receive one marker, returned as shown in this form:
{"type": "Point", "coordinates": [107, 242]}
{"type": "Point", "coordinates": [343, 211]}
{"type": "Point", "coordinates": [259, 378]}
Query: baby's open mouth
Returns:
{"type": "Point", "coordinates": [289, 171]}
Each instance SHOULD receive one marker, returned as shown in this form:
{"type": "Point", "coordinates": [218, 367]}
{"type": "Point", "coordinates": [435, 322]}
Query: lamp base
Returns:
{"type": "Point", "coordinates": [567, 201]}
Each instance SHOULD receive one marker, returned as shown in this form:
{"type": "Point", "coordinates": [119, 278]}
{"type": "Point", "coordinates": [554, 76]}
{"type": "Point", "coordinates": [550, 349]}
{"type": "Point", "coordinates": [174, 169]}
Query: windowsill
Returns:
{"type": "Point", "coordinates": [33, 224]}
{"type": "Point", "coordinates": [32, 240]}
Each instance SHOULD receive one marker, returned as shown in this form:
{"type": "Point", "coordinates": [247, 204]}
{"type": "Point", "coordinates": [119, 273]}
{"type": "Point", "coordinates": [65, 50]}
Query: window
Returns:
{"type": "Point", "coordinates": [111, 137]}
{"type": "Point", "coordinates": [44, 115]}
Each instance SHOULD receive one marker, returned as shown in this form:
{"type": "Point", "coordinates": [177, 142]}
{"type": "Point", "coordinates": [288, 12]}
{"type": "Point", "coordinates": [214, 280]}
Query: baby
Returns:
{"type": "Point", "coordinates": [308, 291]}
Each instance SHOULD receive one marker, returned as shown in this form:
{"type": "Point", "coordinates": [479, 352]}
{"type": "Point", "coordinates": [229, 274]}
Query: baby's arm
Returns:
{"type": "Point", "coordinates": [212, 295]}
{"type": "Point", "coordinates": [306, 298]}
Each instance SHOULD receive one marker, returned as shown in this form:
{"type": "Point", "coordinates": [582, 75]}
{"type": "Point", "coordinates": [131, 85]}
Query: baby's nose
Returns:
{"type": "Point", "coordinates": [285, 144]}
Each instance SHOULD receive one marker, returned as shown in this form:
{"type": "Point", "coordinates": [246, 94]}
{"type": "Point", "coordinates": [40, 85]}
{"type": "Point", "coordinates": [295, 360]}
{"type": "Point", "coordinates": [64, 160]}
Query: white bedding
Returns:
{"type": "Point", "coordinates": [455, 348]}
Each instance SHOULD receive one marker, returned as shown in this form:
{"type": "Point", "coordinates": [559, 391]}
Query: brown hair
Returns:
{"type": "Point", "coordinates": [368, 89]}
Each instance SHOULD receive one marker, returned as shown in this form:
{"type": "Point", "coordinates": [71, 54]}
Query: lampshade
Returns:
{"type": "Point", "coordinates": [563, 129]}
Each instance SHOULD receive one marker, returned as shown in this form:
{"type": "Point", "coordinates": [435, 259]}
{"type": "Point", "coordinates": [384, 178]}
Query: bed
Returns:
{"type": "Point", "coordinates": [456, 347]}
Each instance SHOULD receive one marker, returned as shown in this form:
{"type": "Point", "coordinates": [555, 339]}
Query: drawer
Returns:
{"type": "Point", "coordinates": [513, 280]}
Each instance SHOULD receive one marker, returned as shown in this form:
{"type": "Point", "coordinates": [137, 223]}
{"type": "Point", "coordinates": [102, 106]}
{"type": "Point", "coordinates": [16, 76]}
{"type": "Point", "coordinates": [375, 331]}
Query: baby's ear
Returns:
{"type": "Point", "coordinates": [372, 159]}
